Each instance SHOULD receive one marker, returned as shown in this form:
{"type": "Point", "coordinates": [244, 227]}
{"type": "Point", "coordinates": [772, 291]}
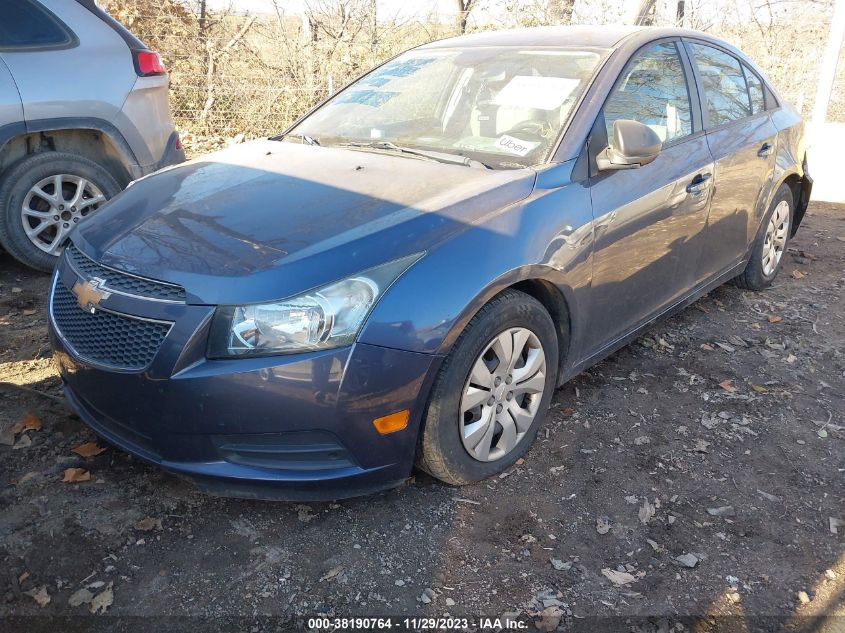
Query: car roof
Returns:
{"type": "Point", "coordinates": [607, 37]}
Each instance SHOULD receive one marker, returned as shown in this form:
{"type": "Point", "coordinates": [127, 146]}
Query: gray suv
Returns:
{"type": "Point", "coordinates": [83, 111]}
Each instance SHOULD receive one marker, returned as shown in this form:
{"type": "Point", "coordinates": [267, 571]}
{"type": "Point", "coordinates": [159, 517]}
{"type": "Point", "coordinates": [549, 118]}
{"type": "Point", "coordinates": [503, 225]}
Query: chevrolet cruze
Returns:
{"type": "Point", "coordinates": [407, 274]}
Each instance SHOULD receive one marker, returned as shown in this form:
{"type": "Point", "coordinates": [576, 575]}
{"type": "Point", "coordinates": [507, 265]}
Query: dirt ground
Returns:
{"type": "Point", "coordinates": [697, 472]}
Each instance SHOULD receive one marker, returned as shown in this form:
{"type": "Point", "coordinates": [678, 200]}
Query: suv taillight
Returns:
{"type": "Point", "coordinates": [148, 63]}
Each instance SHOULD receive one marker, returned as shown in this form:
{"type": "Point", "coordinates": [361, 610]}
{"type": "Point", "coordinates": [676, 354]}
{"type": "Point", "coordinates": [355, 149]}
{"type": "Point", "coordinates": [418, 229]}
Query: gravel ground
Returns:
{"type": "Point", "coordinates": [697, 472]}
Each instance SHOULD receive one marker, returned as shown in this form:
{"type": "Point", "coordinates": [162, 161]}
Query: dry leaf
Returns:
{"type": "Point", "coordinates": [89, 449]}
{"type": "Point", "coordinates": [40, 595]}
{"type": "Point", "coordinates": [74, 475]}
{"type": "Point", "coordinates": [797, 274]}
{"type": "Point", "coordinates": [332, 573]}
{"type": "Point", "coordinates": [701, 446]}
{"type": "Point", "coordinates": [30, 422]}
{"type": "Point", "coordinates": [549, 619]}
{"type": "Point", "coordinates": [759, 389]}
{"type": "Point", "coordinates": [773, 318]}
{"type": "Point", "coordinates": [646, 512]}
{"type": "Point", "coordinates": [147, 524]}
{"type": "Point", "coordinates": [602, 525]}
{"type": "Point", "coordinates": [83, 596]}
{"type": "Point", "coordinates": [618, 578]}
{"type": "Point", "coordinates": [727, 385]}
{"type": "Point", "coordinates": [23, 442]}
{"type": "Point", "coordinates": [102, 600]}
{"type": "Point", "coordinates": [28, 312]}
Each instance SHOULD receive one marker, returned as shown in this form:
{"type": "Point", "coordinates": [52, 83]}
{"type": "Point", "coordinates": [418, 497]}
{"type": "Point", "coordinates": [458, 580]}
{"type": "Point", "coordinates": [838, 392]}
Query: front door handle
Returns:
{"type": "Point", "coordinates": [698, 184]}
{"type": "Point", "coordinates": [765, 151]}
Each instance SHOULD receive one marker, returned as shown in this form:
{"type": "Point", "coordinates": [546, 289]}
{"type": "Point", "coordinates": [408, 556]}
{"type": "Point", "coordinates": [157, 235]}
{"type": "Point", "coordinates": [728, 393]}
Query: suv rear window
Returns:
{"type": "Point", "coordinates": [26, 24]}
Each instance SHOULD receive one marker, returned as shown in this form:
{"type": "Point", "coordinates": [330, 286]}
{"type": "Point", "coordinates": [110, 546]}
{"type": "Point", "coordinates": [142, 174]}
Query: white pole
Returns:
{"type": "Point", "coordinates": [827, 72]}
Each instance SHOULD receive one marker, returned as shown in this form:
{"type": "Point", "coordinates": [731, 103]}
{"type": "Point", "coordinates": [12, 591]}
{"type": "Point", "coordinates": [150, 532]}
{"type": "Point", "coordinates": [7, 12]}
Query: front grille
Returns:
{"type": "Point", "coordinates": [121, 282]}
{"type": "Point", "coordinates": [115, 340]}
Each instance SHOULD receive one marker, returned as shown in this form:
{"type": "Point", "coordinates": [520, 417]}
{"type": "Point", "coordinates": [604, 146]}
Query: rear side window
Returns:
{"type": "Point", "coordinates": [725, 89]}
{"type": "Point", "coordinates": [755, 90]}
{"type": "Point", "coordinates": [26, 24]}
{"type": "Point", "coordinates": [653, 91]}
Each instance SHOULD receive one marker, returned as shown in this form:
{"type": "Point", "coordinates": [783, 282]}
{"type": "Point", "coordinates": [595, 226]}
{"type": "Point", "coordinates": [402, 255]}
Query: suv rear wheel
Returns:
{"type": "Point", "coordinates": [42, 197]}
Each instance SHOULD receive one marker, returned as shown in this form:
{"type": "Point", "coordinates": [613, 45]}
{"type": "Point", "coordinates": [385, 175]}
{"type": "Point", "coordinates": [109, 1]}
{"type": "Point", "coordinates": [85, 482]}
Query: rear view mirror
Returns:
{"type": "Point", "coordinates": [633, 145]}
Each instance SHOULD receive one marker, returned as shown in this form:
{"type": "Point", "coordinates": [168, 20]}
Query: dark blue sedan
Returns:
{"type": "Point", "coordinates": [407, 274]}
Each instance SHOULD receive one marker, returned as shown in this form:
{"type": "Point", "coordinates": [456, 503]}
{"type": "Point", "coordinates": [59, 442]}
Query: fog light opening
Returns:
{"type": "Point", "coordinates": [393, 422]}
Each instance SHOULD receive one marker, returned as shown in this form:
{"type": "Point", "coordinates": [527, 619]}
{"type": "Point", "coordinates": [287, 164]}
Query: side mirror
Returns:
{"type": "Point", "coordinates": [634, 145]}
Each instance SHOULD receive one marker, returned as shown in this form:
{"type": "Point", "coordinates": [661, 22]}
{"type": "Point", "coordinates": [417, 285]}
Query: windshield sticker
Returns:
{"type": "Point", "coordinates": [374, 98]}
{"type": "Point", "coordinates": [377, 82]}
{"type": "Point", "coordinates": [405, 67]}
{"type": "Point", "coordinates": [513, 145]}
{"type": "Point", "coordinates": [543, 93]}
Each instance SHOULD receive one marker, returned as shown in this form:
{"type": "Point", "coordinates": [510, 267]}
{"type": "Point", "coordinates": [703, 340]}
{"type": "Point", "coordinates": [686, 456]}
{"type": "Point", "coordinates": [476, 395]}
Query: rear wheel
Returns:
{"type": "Point", "coordinates": [492, 393]}
{"type": "Point", "coordinates": [771, 243]}
{"type": "Point", "coordinates": [45, 195]}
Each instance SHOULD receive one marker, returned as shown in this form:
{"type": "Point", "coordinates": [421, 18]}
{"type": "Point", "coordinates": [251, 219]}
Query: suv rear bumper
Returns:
{"type": "Point", "coordinates": [173, 155]}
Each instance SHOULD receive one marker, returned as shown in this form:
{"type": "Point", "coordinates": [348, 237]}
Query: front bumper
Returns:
{"type": "Point", "coordinates": [288, 427]}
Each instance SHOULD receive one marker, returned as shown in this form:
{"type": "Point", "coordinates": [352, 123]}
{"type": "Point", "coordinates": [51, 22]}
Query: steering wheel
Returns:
{"type": "Point", "coordinates": [530, 127]}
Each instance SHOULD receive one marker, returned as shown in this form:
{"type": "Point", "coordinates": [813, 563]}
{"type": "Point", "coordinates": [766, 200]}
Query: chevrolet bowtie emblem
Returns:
{"type": "Point", "coordinates": [88, 293]}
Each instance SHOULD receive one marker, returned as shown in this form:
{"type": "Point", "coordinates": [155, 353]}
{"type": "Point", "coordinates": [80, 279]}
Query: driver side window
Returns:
{"type": "Point", "coordinates": [653, 91]}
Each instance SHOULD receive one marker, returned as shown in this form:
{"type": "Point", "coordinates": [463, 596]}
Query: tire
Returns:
{"type": "Point", "coordinates": [442, 451]}
{"type": "Point", "coordinates": [19, 181]}
{"type": "Point", "coordinates": [756, 276]}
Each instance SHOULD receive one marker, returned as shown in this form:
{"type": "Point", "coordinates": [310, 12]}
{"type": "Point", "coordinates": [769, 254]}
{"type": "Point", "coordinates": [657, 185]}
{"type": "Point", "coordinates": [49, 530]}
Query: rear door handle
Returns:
{"type": "Point", "coordinates": [698, 184]}
{"type": "Point", "coordinates": [765, 151]}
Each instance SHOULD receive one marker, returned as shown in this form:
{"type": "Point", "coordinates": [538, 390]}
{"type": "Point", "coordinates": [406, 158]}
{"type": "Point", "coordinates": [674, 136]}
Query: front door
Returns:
{"type": "Point", "coordinates": [647, 219]}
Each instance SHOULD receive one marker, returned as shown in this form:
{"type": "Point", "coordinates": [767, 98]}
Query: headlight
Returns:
{"type": "Point", "coordinates": [323, 318]}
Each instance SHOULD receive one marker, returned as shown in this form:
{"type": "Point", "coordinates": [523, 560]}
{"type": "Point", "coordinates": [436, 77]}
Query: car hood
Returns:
{"type": "Point", "coordinates": [268, 219]}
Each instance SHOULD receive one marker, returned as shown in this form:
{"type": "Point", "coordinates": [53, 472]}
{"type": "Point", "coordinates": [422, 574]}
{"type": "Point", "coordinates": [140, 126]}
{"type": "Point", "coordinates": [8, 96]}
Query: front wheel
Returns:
{"type": "Point", "coordinates": [492, 392]}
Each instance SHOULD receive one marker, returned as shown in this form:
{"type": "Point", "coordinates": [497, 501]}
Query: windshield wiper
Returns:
{"type": "Point", "coordinates": [440, 157]}
{"type": "Point", "coordinates": [308, 140]}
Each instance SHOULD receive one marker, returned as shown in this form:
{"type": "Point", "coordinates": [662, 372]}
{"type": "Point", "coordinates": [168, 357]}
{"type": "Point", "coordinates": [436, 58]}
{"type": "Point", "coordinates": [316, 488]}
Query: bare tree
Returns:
{"type": "Point", "coordinates": [464, 7]}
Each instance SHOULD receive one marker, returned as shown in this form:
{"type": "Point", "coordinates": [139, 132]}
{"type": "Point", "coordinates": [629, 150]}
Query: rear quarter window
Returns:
{"type": "Point", "coordinates": [755, 90]}
{"type": "Point", "coordinates": [26, 24]}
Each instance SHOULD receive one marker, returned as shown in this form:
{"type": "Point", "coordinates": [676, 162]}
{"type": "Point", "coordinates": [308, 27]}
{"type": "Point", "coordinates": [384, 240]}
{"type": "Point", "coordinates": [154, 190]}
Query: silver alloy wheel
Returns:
{"type": "Point", "coordinates": [54, 206]}
{"type": "Point", "coordinates": [775, 241]}
{"type": "Point", "coordinates": [502, 394]}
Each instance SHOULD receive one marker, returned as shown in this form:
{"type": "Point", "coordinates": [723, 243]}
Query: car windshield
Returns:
{"type": "Point", "coordinates": [500, 107]}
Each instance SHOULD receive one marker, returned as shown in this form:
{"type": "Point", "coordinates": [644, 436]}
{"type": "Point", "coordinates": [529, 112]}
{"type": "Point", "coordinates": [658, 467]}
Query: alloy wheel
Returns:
{"type": "Point", "coordinates": [774, 242]}
{"type": "Point", "coordinates": [54, 205]}
{"type": "Point", "coordinates": [502, 396]}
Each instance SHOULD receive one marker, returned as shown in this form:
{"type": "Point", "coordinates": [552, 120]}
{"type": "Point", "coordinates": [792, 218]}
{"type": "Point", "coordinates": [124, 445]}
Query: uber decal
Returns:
{"type": "Point", "coordinates": [514, 145]}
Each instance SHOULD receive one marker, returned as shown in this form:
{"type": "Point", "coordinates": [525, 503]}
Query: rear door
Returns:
{"type": "Point", "coordinates": [742, 139]}
{"type": "Point", "coordinates": [647, 220]}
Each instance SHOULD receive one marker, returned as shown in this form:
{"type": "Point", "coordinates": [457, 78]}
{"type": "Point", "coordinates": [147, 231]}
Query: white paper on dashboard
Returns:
{"type": "Point", "coordinates": [543, 93]}
{"type": "Point", "coordinates": [514, 145]}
